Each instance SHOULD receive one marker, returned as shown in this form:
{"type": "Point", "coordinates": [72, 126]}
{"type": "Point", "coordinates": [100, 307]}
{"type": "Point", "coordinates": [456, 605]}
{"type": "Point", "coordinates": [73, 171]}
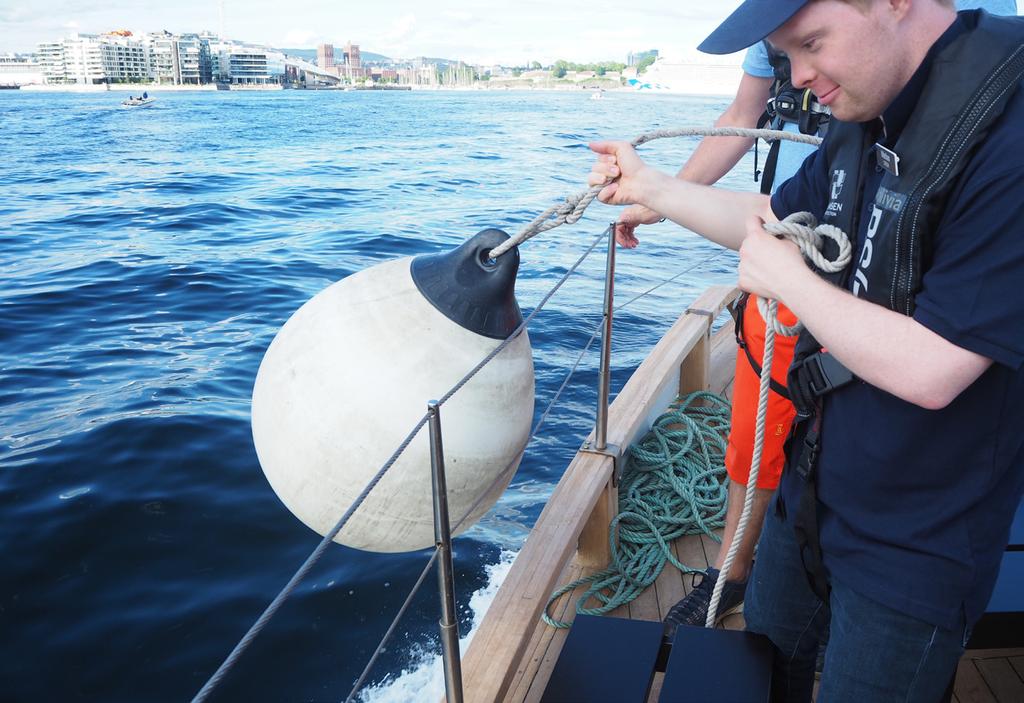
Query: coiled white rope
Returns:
{"type": "Point", "coordinates": [802, 229]}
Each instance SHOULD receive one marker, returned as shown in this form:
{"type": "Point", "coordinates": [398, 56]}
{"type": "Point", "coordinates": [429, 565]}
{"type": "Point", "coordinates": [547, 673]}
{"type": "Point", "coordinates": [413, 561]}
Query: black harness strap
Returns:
{"type": "Point", "coordinates": [786, 103]}
{"type": "Point", "coordinates": [737, 313]}
{"type": "Point", "coordinates": [805, 522]}
{"type": "Point", "coordinates": [815, 376]}
{"type": "Point", "coordinates": [810, 379]}
{"type": "Point", "coordinates": [770, 165]}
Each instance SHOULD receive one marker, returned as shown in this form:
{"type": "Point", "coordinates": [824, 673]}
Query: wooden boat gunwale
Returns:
{"type": "Point", "coordinates": [506, 656]}
{"type": "Point", "coordinates": [513, 653]}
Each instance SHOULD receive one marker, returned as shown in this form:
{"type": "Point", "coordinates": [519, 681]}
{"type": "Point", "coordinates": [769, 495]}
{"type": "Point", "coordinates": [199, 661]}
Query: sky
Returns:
{"type": "Point", "coordinates": [508, 32]}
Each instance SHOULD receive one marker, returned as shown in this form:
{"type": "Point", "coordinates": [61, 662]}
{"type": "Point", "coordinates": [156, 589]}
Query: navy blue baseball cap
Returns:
{"type": "Point", "coordinates": [750, 23]}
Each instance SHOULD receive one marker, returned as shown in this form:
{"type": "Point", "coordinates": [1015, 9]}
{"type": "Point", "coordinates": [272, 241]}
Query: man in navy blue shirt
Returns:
{"type": "Point", "coordinates": [918, 463]}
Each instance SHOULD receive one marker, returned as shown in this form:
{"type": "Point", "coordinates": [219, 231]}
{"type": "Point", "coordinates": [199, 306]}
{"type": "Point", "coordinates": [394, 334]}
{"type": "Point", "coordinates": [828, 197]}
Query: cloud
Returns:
{"type": "Point", "coordinates": [401, 29]}
{"type": "Point", "coordinates": [71, 24]}
{"type": "Point", "coordinates": [398, 39]}
{"type": "Point", "coordinates": [298, 38]}
{"type": "Point", "coordinates": [15, 15]}
{"type": "Point", "coordinates": [459, 16]}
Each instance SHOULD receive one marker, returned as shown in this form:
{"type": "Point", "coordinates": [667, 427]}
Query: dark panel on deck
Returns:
{"type": "Point", "coordinates": [605, 660]}
{"type": "Point", "coordinates": [1002, 625]}
{"type": "Point", "coordinates": [718, 666]}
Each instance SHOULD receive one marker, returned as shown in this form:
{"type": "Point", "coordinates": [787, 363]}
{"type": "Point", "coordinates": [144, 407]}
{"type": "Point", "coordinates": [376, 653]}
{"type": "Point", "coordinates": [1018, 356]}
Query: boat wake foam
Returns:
{"type": "Point", "coordinates": [424, 679]}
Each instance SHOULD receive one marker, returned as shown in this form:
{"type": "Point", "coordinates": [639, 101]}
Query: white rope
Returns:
{"type": "Point", "coordinates": [570, 211]}
{"type": "Point", "coordinates": [803, 229]}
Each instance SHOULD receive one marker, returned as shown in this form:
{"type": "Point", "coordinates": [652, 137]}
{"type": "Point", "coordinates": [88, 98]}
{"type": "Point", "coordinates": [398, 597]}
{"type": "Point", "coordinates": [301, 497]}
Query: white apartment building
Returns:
{"type": "Point", "coordinates": [50, 57]}
{"type": "Point", "coordinates": [19, 70]}
{"type": "Point", "coordinates": [83, 60]}
{"type": "Point", "coordinates": [124, 60]}
{"type": "Point", "coordinates": [245, 65]}
{"type": "Point", "coordinates": [170, 59]}
{"type": "Point", "coordinates": [160, 57]}
{"type": "Point", "coordinates": [193, 60]}
{"type": "Point", "coordinates": [92, 59]}
{"type": "Point", "coordinates": [178, 59]}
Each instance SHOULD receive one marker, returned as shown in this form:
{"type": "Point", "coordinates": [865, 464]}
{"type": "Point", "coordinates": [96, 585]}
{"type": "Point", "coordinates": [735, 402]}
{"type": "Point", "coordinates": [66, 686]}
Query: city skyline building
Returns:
{"type": "Point", "coordinates": [83, 59]}
{"type": "Point", "coordinates": [353, 58]}
{"type": "Point", "coordinates": [123, 60]}
{"type": "Point", "coordinates": [184, 59]}
{"type": "Point", "coordinates": [325, 56]}
{"type": "Point", "coordinates": [165, 58]}
{"type": "Point", "coordinates": [347, 63]}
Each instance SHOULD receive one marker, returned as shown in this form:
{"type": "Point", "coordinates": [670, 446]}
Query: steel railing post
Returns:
{"type": "Point", "coordinates": [604, 374]}
{"type": "Point", "coordinates": [445, 573]}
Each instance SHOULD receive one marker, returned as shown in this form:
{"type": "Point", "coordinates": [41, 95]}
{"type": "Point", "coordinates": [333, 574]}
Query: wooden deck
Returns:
{"type": "Point", "coordinates": [513, 653]}
{"type": "Point", "coordinates": [983, 675]}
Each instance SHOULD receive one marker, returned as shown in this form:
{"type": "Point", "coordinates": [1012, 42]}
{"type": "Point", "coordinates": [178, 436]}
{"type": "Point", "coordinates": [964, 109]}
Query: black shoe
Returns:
{"type": "Point", "coordinates": [693, 609]}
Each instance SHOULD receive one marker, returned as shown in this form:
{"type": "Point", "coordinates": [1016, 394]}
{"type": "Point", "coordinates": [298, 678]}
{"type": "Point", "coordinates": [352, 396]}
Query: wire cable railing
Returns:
{"type": "Point", "coordinates": [240, 648]}
{"type": "Point", "coordinates": [391, 630]}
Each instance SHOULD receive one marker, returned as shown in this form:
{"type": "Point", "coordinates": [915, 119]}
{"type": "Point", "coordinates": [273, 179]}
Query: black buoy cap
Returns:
{"type": "Point", "coordinates": [469, 288]}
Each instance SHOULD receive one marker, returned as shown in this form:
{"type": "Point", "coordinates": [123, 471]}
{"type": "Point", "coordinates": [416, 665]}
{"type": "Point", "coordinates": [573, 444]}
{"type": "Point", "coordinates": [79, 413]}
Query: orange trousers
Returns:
{"type": "Point", "coordinates": [746, 388]}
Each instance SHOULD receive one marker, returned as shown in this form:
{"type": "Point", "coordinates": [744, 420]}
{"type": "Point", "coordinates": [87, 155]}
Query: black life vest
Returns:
{"type": "Point", "coordinates": [971, 82]}
{"type": "Point", "coordinates": [787, 103]}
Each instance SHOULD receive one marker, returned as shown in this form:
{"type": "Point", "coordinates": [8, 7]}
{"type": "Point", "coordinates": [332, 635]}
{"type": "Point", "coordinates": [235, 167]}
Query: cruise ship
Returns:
{"type": "Point", "coordinates": [16, 71]}
{"type": "Point", "coordinates": [688, 77]}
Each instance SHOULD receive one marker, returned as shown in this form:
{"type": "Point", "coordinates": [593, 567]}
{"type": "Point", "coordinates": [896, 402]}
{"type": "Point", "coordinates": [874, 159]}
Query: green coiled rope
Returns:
{"type": "Point", "coordinates": [672, 486]}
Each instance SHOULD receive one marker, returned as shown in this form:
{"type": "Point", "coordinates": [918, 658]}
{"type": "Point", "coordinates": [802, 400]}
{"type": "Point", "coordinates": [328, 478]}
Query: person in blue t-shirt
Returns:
{"type": "Point", "coordinates": [891, 530]}
{"type": "Point", "coordinates": [712, 159]}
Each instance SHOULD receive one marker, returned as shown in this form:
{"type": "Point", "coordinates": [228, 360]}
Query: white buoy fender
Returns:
{"type": "Point", "coordinates": [350, 374]}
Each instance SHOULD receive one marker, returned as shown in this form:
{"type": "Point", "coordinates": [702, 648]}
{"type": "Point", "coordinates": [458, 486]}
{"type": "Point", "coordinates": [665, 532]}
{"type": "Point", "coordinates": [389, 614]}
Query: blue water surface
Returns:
{"type": "Point", "coordinates": [150, 255]}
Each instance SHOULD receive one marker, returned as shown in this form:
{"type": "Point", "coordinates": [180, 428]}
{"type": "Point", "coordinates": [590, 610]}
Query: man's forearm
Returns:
{"type": "Point", "coordinates": [715, 156]}
{"type": "Point", "coordinates": [715, 213]}
{"type": "Point", "coordinates": [890, 351]}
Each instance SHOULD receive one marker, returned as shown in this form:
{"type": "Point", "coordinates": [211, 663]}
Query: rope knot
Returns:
{"type": "Point", "coordinates": [802, 229]}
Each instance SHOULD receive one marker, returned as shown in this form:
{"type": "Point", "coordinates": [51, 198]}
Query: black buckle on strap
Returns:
{"type": "Point", "coordinates": [824, 373]}
{"type": "Point", "coordinates": [809, 452]}
{"type": "Point", "coordinates": [814, 376]}
{"type": "Point", "coordinates": [827, 374]}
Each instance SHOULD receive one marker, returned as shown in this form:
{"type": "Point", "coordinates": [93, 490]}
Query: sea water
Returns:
{"type": "Point", "coordinates": [148, 258]}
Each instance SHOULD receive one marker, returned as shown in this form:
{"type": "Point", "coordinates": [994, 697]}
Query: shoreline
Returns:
{"type": "Point", "coordinates": [670, 80]}
{"type": "Point", "coordinates": [709, 90]}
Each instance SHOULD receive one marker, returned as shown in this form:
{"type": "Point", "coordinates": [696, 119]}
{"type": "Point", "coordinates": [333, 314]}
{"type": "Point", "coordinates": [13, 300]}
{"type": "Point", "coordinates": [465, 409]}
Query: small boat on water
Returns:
{"type": "Point", "coordinates": [138, 102]}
